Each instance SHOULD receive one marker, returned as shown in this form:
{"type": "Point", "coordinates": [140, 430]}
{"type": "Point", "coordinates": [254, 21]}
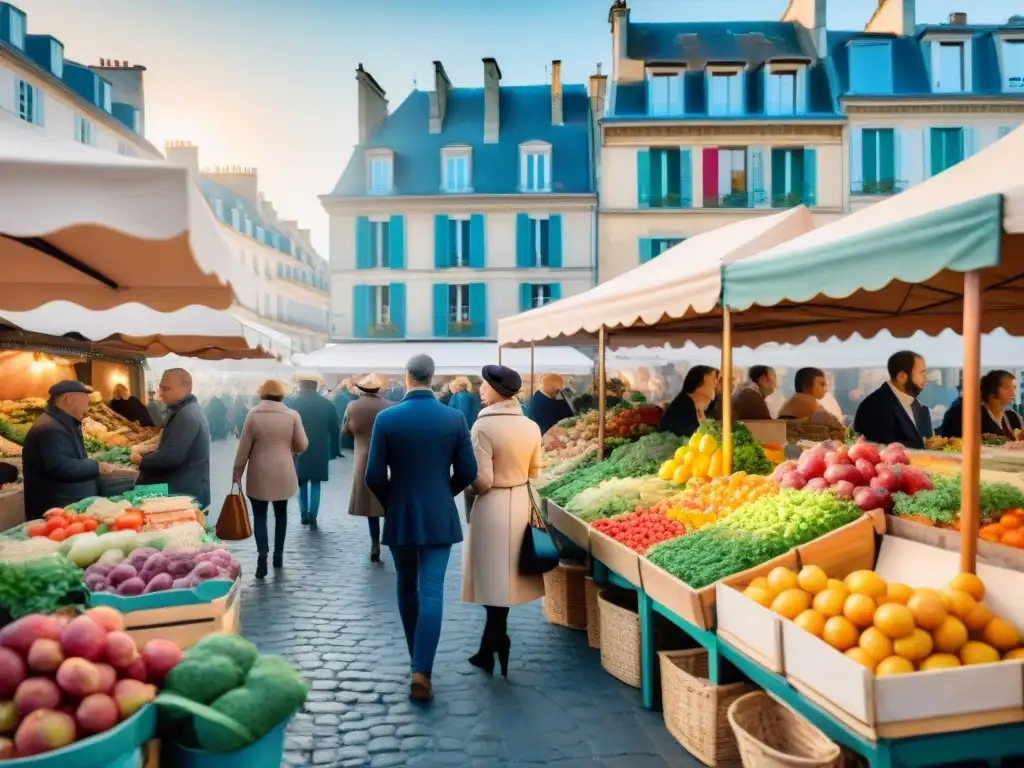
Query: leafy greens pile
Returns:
{"type": "Point", "coordinates": [747, 454]}
{"type": "Point", "coordinates": [942, 503]}
{"type": "Point", "coordinates": [753, 534]}
{"type": "Point", "coordinates": [39, 586]}
{"type": "Point", "coordinates": [619, 495]}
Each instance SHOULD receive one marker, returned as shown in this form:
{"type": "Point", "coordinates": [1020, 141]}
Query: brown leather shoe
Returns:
{"type": "Point", "coordinates": [420, 688]}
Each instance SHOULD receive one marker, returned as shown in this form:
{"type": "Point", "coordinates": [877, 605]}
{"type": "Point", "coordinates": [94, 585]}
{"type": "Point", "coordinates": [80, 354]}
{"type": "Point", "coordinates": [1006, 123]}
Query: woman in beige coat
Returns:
{"type": "Point", "coordinates": [359, 417]}
{"type": "Point", "coordinates": [508, 454]}
{"type": "Point", "coordinates": [271, 438]}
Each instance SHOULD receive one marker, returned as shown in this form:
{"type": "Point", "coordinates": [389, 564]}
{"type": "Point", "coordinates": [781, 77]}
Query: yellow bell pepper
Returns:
{"type": "Point", "coordinates": [708, 445]}
{"type": "Point", "coordinates": [666, 470]}
{"type": "Point", "coordinates": [681, 474]}
{"type": "Point", "coordinates": [681, 452]}
{"type": "Point", "coordinates": [715, 465]}
{"type": "Point", "coordinates": [694, 440]}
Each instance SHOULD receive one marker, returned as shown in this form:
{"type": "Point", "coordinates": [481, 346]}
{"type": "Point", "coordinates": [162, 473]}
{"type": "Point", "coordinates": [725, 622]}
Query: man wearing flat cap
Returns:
{"type": "Point", "coordinates": [320, 420]}
{"type": "Point", "coordinates": [56, 467]}
{"type": "Point", "coordinates": [360, 415]}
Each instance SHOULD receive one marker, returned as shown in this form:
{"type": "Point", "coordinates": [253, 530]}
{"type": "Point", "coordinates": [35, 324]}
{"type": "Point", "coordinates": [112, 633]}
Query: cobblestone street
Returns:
{"type": "Point", "coordinates": [333, 613]}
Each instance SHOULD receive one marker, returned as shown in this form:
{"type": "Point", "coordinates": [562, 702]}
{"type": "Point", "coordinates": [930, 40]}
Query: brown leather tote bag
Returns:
{"type": "Point", "coordinates": [233, 523]}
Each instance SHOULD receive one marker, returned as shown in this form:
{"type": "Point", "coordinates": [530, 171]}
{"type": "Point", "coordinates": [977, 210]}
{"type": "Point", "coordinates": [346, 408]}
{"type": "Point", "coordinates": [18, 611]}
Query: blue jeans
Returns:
{"type": "Point", "coordinates": [309, 498]}
{"type": "Point", "coordinates": [421, 599]}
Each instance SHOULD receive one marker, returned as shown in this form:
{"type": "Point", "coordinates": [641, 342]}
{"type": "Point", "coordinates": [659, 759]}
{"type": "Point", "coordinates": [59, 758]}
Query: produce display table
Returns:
{"type": "Point", "coordinates": [12, 507]}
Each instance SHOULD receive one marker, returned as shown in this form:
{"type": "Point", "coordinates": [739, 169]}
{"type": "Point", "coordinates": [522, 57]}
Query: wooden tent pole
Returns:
{"type": "Point", "coordinates": [601, 393]}
{"type": "Point", "coordinates": [970, 481]}
{"type": "Point", "coordinates": [726, 391]}
{"type": "Point", "coordinates": [533, 386]}
{"type": "Point", "coordinates": [499, 354]}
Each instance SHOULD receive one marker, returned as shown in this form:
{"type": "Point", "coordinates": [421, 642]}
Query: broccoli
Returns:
{"type": "Point", "coordinates": [204, 677]}
{"type": "Point", "coordinates": [236, 648]}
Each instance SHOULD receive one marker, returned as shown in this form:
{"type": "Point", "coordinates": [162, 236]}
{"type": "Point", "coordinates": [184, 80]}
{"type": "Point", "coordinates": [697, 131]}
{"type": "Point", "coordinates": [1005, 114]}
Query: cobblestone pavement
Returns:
{"type": "Point", "coordinates": [333, 613]}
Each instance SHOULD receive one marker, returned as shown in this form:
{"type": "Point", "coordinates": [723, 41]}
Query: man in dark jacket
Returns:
{"type": "Point", "coordinates": [892, 413]}
{"type": "Point", "coordinates": [182, 458]}
{"type": "Point", "coordinates": [548, 406]}
{"type": "Point", "coordinates": [323, 428]}
{"type": "Point", "coordinates": [421, 456]}
{"type": "Point", "coordinates": [55, 465]}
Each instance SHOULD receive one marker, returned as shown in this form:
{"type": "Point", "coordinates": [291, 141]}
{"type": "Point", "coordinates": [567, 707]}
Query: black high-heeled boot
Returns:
{"type": "Point", "coordinates": [504, 648]}
{"type": "Point", "coordinates": [261, 567]}
{"type": "Point", "coordinates": [484, 658]}
{"type": "Point", "coordinates": [375, 551]}
{"type": "Point", "coordinates": [278, 559]}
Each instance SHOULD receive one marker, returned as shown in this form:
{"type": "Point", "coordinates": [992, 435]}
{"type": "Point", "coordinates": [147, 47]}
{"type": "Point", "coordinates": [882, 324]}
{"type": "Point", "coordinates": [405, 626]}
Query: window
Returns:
{"type": "Point", "coordinates": [660, 245]}
{"type": "Point", "coordinates": [781, 98]}
{"type": "Point", "coordinates": [261, 234]}
{"type": "Point", "coordinates": [665, 93]}
{"type": "Point", "coordinates": [947, 148]}
{"type": "Point", "coordinates": [380, 237]}
{"type": "Point", "coordinates": [870, 67]}
{"type": "Point", "coordinates": [458, 242]}
{"type": "Point", "coordinates": [456, 169]}
{"type": "Point", "coordinates": [664, 188]}
{"type": "Point", "coordinates": [1013, 66]}
{"type": "Point", "coordinates": [878, 161]}
{"type": "Point", "coordinates": [105, 99]}
{"type": "Point", "coordinates": [535, 171]}
{"type": "Point", "coordinates": [381, 298]}
{"type": "Point", "coordinates": [731, 177]}
{"type": "Point", "coordinates": [236, 219]}
{"type": "Point", "coordinates": [458, 304]}
{"type": "Point", "coordinates": [539, 229]}
{"type": "Point", "coordinates": [380, 175]}
{"type": "Point", "coordinates": [248, 227]}
{"type": "Point", "coordinates": [17, 28]}
{"type": "Point", "coordinates": [787, 177]}
{"type": "Point", "coordinates": [30, 106]}
{"type": "Point", "coordinates": [83, 130]}
{"type": "Point", "coordinates": [540, 295]}
{"type": "Point", "coordinates": [56, 60]}
{"type": "Point", "coordinates": [218, 208]}
{"type": "Point", "coordinates": [725, 93]}
{"type": "Point", "coordinates": [948, 76]}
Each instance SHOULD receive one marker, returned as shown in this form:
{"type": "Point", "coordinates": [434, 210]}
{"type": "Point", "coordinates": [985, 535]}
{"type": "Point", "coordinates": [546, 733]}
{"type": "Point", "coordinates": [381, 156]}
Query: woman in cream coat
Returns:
{"type": "Point", "coordinates": [508, 454]}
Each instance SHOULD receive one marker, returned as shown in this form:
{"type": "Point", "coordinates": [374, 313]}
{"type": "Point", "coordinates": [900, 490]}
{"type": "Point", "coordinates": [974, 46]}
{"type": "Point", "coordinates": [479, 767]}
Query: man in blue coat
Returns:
{"type": "Point", "coordinates": [421, 457]}
{"type": "Point", "coordinates": [892, 413]}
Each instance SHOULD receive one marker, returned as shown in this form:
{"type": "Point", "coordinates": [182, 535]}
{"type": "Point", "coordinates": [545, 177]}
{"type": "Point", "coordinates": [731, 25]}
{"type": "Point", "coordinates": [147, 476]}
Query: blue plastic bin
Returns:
{"type": "Point", "coordinates": [206, 592]}
{"type": "Point", "coordinates": [265, 753]}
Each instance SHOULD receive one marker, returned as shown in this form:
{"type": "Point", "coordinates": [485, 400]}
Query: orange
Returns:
{"type": "Point", "coordinates": [894, 620]}
{"type": "Point", "coordinates": [927, 608]}
{"type": "Point", "coordinates": [969, 583]}
{"type": "Point", "coordinates": [830, 602]}
{"type": "Point", "coordinates": [1001, 634]}
{"type": "Point", "coordinates": [974, 652]}
{"type": "Point", "coordinates": [940, 661]}
{"type": "Point", "coordinates": [859, 609]}
{"type": "Point", "coordinates": [838, 584]}
{"type": "Point", "coordinates": [862, 657]}
{"type": "Point", "coordinates": [894, 665]}
{"type": "Point", "coordinates": [977, 618]}
{"type": "Point", "coordinates": [1016, 653]}
{"type": "Point", "coordinates": [759, 596]}
{"type": "Point", "coordinates": [896, 593]}
{"type": "Point", "coordinates": [840, 633]}
{"type": "Point", "coordinates": [950, 635]}
{"type": "Point", "coordinates": [791, 603]}
{"type": "Point", "coordinates": [780, 579]}
{"type": "Point", "coordinates": [811, 621]}
{"type": "Point", "coordinates": [760, 582]}
{"type": "Point", "coordinates": [958, 603]}
{"type": "Point", "coordinates": [875, 644]}
{"type": "Point", "coordinates": [812, 579]}
{"type": "Point", "coordinates": [914, 647]}
{"type": "Point", "coordinates": [866, 583]}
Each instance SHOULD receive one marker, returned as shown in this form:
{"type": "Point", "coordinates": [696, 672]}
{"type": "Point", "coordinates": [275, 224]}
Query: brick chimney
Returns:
{"type": "Point", "coordinates": [618, 18]}
{"type": "Point", "coordinates": [182, 153]}
{"type": "Point", "coordinates": [556, 92]}
{"type": "Point", "coordinates": [596, 89]}
{"type": "Point", "coordinates": [492, 120]}
{"type": "Point", "coordinates": [894, 17]}
{"type": "Point", "coordinates": [810, 14]}
{"type": "Point", "coordinates": [240, 179]}
{"type": "Point", "coordinates": [373, 105]}
{"type": "Point", "coordinates": [126, 85]}
{"type": "Point", "coordinates": [439, 98]}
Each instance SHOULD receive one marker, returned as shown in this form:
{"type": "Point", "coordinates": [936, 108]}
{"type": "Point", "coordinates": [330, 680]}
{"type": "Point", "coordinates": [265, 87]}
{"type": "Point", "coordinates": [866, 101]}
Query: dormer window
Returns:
{"type": "Point", "coordinates": [870, 67]}
{"type": "Point", "coordinates": [1012, 53]}
{"type": "Point", "coordinates": [236, 219]}
{"type": "Point", "coordinates": [380, 172]}
{"type": "Point", "coordinates": [16, 27]}
{"type": "Point", "coordinates": [785, 89]}
{"type": "Point", "coordinates": [535, 167]}
{"type": "Point", "coordinates": [950, 62]}
{"type": "Point", "coordinates": [456, 169]}
{"type": "Point", "coordinates": [665, 91]}
{"type": "Point", "coordinates": [725, 91]}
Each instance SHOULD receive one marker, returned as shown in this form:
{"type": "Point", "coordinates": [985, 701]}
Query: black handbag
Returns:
{"type": "Point", "coordinates": [539, 552]}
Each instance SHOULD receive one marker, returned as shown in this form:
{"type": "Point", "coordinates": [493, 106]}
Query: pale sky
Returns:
{"type": "Point", "coordinates": [270, 83]}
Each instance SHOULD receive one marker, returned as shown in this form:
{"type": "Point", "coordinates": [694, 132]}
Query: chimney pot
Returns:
{"type": "Point", "coordinates": [492, 81]}
{"type": "Point", "coordinates": [372, 104]}
{"type": "Point", "coordinates": [556, 92]}
{"type": "Point", "coordinates": [439, 98]}
{"type": "Point", "coordinates": [958, 18]}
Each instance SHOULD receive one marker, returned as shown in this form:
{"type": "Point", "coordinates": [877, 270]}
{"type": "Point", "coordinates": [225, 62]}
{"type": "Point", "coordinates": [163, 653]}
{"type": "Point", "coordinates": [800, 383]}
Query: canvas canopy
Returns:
{"type": "Point", "coordinates": [680, 284]}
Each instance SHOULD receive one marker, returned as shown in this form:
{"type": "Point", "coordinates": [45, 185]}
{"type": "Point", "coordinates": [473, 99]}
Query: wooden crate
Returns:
{"type": "Point", "coordinates": [616, 557]}
{"type": "Point", "coordinates": [570, 526]}
{"type": "Point", "coordinates": [186, 625]}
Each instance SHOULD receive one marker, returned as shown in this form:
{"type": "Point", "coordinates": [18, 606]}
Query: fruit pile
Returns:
{"type": "Point", "coordinates": [641, 529]}
{"type": "Point", "coordinates": [64, 680]}
{"type": "Point", "coordinates": [58, 525]}
{"type": "Point", "coordinates": [891, 628]}
{"type": "Point", "coordinates": [699, 458]}
{"type": "Point", "coordinates": [147, 570]}
{"type": "Point", "coordinates": [1009, 530]}
{"type": "Point", "coordinates": [633, 422]}
{"type": "Point", "coordinates": [706, 501]}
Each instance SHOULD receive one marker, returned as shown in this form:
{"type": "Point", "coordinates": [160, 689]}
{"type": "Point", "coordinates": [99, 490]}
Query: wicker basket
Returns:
{"type": "Point", "coordinates": [593, 615]}
{"type": "Point", "coordinates": [620, 638]}
{"type": "Point", "coordinates": [771, 734]}
{"type": "Point", "coordinates": [565, 601]}
{"type": "Point", "coordinates": [695, 709]}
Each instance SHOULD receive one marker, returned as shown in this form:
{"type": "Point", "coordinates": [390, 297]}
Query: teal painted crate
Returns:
{"type": "Point", "coordinates": [207, 592]}
{"type": "Point", "coordinates": [265, 753]}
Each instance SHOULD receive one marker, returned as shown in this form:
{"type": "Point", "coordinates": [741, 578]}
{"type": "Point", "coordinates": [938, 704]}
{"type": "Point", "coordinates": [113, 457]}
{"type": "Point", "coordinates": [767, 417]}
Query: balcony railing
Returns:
{"type": "Point", "coordinates": [658, 200]}
{"type": "Point", "coordinates": [734, 200]}
{"type": "Point", "coordinates": [464, 328]}
{"type": "Point", "coordinates": [383, 331]}
{"type": "Point", "coordinates": [787, 200]}
{"type": "Point", "coordinates": [878, 187]}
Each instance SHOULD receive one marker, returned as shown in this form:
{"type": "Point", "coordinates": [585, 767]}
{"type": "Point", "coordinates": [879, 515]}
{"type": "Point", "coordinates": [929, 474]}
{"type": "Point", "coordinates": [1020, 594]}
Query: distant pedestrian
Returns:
{"type": "Point", "coordinates": [238, 412]}
{"type": "Point", "coordinates": [421, 457]}
{"type": "Point", "coordinates": [157, 410]}
{"type": "Point", "coordinates": [358, 424]}
{"type": "Point", "coordinates": [343, 395]}
{"type": "Point", "coordinates": [217, 417]}
{"type": "Point", "coordinates": [320, 420]}
{"type": "Point", "coordinates": [464, 399]}
{"type": "Point", "coordinates": [548, 406]}
{"type": "Point", "coordinates": [272, 436]}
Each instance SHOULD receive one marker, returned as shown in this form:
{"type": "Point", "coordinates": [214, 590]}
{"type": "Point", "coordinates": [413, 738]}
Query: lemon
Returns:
{"type": "Point", "coordinates": [708, 445]}
{"type": "Point", "coordinates": [681, 452]}
{"type": "Point", "coordinates": [894, 665]}
{"type": "Point", "coordinates": [874, 643]}
{"type": "Point", "coordinates": [780, 579]}
{"type": "Point", "coordinates": [791, 603]}
{"type": "Point", "coordinates": [810, 621]}
{"type": "Point", "coordinates": [666, 470]}
{"type": "Point", "coordinates": [915, 647]}
{"type": "Point", "coordinates": [680, 474]}
{"type": "Point", "coordinates": [973, 652]}
{"type": "Point", "coordinates": [694, 440]}
{"type": "Point", "coordinates": [862, 657]}
{"type": "Point", "coordinates": [1001, 634]}
{"type": "Point", "coordinates": [940, 661]}
{"type": "Point", "coordinates": [894, 620]}
{"type": "Point", "coordinates": [969, 583]}
{"type": "Point", "coordinates": [812, 579]}
{"type": "Point", "coordinates": [759, 595]}
{"type": "Point", "coordinates": [866, 583]}
{"type": "Point", "coordinates": [830, 602]}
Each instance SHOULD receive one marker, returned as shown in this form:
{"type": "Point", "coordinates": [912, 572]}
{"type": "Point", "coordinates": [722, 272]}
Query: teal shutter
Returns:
{"type": "Point", "coordinates": [938, 155]}
{"type": "Point", "coordinates": [360, 310]}
{"type": "Point", "coordinates": [643, 178]}
{"type": "Point", "coordinates": [685, 177]}
{"type": "Point", "coordinates": [396, 243]}
{"type": "Point", "coordinates": [442, 256]}
{"type": "Point", "coordinates": [887, 160]}
{"type": "Point", "coordinates": [524, 241]}
{"type": "Point", "coordinates": [956, 145]}
{"type": "Point", "coordinates": [645, 250]}
{"type": "Point", "coordinates": [555, 240]}
{"type": "Point", "coordinates": [363, 257]}
{"type": "Point", "coordinates": [810, 174]}
{"type": "Point", "coordinates": [397, 298]}
{"type": "Point", "coordinates": [441, 309]}
{"type": "Point", "coordinates": [525, 296]}
{"type": "Point", "coordinates": [755, 176]}
{"type": "Point", "coordinates": [556, 291]}
{"type": "Point", "coordinates": [869, 161]}
{"type": "Point", "coordinates": [478, 308]}
{"type": "Point", "coordinates": [778, 175]}
{"type": "Point", "coordinates": [477, 241]}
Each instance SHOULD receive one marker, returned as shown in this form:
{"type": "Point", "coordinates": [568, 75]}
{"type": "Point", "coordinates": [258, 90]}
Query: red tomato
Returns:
{"type": "Point", "coordinates": [91, 524]}
{"type": "Point", "coordinates": [36, 529]}
{"type": "Point", "coordinates": [74, 528]}
{"type": "Point", "coordinates": [56, 522]}
{"type": "Point", "coordinates": [58, 534]}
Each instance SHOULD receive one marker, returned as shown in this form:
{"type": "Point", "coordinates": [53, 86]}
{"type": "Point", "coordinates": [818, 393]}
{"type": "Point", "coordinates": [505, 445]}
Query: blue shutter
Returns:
{"type": "Point", "coordinates": [755, 176]}
{"type": "Point", "coordinates": [478, 308]}
{"type": "Point", "coordinates": [530, 180]}
{"type": "Point", "coordinates": [643, 178]}
{"type": "Point", "coordinates": [360, 310]}
{"type": "Point", "coordinates": [556, 291]}
{"type": "Point", "coordinates": [477, 241]}
{"type": "Point", "coordinates": [396, 243]}
{"type": "Point", "coordinates": [524, 241]}
{"type": "Point", "coordinates": [645, 250]}
{"type": "Point", "coordinates": [810, 177]}
{"type": "Point", "coordinates": [397, 299]}
{"type": "Point", "coordinates": [363, 257]}
{"type": "Point", "coordinates": [525, 296]}
{"type": "Point", "coordinates": [685, 177]}
{"type": "Point", "coordinates": [441, 309]}
{"type": "Point", "coordinates": [555, 240]}
{"type": "Point", "coordinates": [442, 257]}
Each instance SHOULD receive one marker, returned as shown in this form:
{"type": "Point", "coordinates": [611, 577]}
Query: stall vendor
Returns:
{"type": "Point", "coordinates": [130, 407]}
{"type": "Point", "coordinates": [998, 392]}
{"type": "Point", "coordinates": [750, 401]}
{"type": "Point", "coordinates": [892, 413]}
{"type": "Point", "coordinates": [548, 406]}
{"type": "Point", "coordinates": [686, 412]}
{"type": "Point", "coordinates": [805, 405]}
{"type": "Point", "coordinates": [55, 465]}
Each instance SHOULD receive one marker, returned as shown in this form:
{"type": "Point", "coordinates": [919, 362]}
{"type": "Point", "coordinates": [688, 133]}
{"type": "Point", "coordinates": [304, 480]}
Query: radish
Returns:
{"type": "Point", "coordinates": [895, 453]}
{"type": "Point", "coordinates": [838, 472]}
{"type": "Point", "coordinates": [812, 463]}
{"type": "Point", "coordinates": [867, 498]}
{"type": "Point", "coordinates": [867, 471]}
{"type": "Point", "coordinates": [864, 450]}
{"type": "Point", "coordinates": [913, 479]}
{"type": "Point", "coordinates": [781, 470]}
{"type": "Point", "coordinates": [793, 479]}
{"type": "Point", "coordinates": [838, 456]}
{"type": "Point", "coordinates": [817, 484]}
{"type": "Point", "coordinates": [843, 490]}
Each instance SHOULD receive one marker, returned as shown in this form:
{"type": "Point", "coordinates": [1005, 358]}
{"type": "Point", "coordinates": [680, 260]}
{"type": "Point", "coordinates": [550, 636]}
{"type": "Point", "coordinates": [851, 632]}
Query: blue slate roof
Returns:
{"type": "Point", "coordinates": [525, 115]}
{"type": "Point", "coordinates": [695, 45]}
